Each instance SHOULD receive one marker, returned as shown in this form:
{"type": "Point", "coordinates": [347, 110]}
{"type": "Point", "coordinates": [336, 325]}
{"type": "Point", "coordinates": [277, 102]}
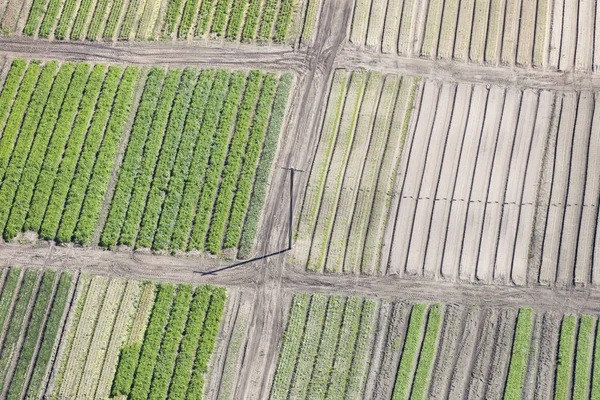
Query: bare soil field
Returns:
{"type": "Point", "coordinates": [538, 34]}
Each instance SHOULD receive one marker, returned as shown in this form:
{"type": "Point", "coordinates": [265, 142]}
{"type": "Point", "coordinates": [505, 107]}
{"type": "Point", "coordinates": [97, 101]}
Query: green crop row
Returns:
{"type": "Point", "coordinates": [49, 18]}
{"type": "Point", "coordinates": [39, 148]}
{"type": "Point", "coordinates": [66, 18]}
{"type": "Point", "coordinates": [33, 331]}
{"type": "Point", "coordinates": [188, 17]}
{"type": "Point", "coordinates": [204, 15]}
{"type": "Point", "coordinates": [133, 158]}
{"type": "Point", "coordinates": [205, 105]}
{"type": "Point", "coordinates": [189, 343]}
{"type": "Point", "coordinates": [207, 182]}
{"type": "Point", "coordinates": [97, 19]}
{"type": "Point", "coordinates": [565, 357]}
{"type": "Point", "coordinates": [67, 167]}
{"type": "Point", "coordinates": [152, 341]}
{"type": "Point", "coordinates": [292, 339]}
{"type": "Point", "coordinates": [105, 158]}
{"type": "Point", "coordinates": [362, 352]}
{"type": "Point", "coordinates": [327, 348]}
{"type": "Point", "coordinates": [595, 386]}
{"type": "Point", "coordinates": [208, 142]}
{"type": "Point", "coordinates": [267, 19]}
{"type": "Point", "coordinates": [128, 362]}
{"type": "Point", "coordinates": [27, 132]}
{"type": "Point", "coordinates": [428, 350]}
{"type": "Point", "coordinates": [113, 19]}
{"type": "Point", "coordinates": [49, 336]}
{"type": "Point", "coordinates": [520, 356]}
{"type": "Point", "coordinates": [345, 350]}
{"type": "Point", "coordinates": [173, 11]}
{"type": "Point", "coordinates": [310, 344]}
{"type": "Point", "coordinates": [251, 21]}
{"type": "Point", "coordinates": [235, 19]}
{"type": "Point", "coordinates": [151, 152]}
{"type": "Point", "coordinates": [11, 84]}
{"type": "Point", "coordinates": [17, 113]}
{"type": "Point", "coordinates": [207, 343]}
{"type": "Point", "coordinates": [231, 171]}
{"type": "Point", "coordinates": [283, 20]}
{"type": "Point", "coordinates": [410, 352]}
{"type": "Point", "coordinates": [220, 17]}
{"type": "Point", "coordinates": [55, 150]}
{"type": "Point", "coordinates": [168, 153]}
{"type": "Point", "coordinates": [85, 164]}
{"type": "Point", "coordinates": [85, 7]}
{"type": "Point", "coordinates": [582, 357]}
{"type": "Point", "coordinates": [165, 361]}
{"type": "Point", "coordinates": [130, 19]}
{"type": "Point", "coordinates": [265, 165]}
{"type": "Point", "coordinates": [9, 349]}
{"type": "Point", "coordinates": [33, 21]}
{"type": "Point", "coordinates": [251, 155]}
{"type": "Point", "coordinates": [7, 293]}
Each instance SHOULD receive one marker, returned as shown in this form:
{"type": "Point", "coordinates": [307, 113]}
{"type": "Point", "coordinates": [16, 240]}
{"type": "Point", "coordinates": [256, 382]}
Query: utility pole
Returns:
{"type": "Point", "coordinates": [291, 218]}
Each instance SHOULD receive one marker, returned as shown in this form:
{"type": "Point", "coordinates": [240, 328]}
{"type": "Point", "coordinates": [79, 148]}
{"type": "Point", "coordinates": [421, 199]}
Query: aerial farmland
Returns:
{"type": "Point", "coordinates": [299, 199]}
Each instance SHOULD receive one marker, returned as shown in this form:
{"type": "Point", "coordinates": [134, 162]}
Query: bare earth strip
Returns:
{"type": "Point", "coordinates": [471, 334]}
{"type": "Point", "coordinates": [445, 187]}
{"type": "Point", "coordinates": [450, 258]}
{"type": "Point", "coordinates": [518, 246]}
{"type": "Point", "coordinates": [584, 51]}
{"type": "Point", "coordinates": [578, 168]}
{"type": "Point", "coordinates": [514, 114]}
{"type": "Point", "coordinates": [544, 388]}
{"type": "Point", "coordinates": [431, 179]}
{"type": "Point", "coordinates": [511, 204]}
{"type": "Point", "coordinates": [584, 273]}
{"type": "Point", "coordinates": [481, 179]}
{"type": "Point", "coordinates": [412, 178]}
{"type": "Point", "coordinates": [559, 192]}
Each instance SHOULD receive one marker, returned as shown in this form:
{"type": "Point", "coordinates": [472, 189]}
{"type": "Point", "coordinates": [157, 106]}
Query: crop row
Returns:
{"type": "Point", "coordinates": [247, 20]}
{"type": "Point", "coordinates": [31, 309]}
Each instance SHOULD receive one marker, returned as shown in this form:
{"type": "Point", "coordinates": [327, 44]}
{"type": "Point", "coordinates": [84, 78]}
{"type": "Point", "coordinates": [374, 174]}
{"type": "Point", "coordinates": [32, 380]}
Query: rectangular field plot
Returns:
{"type": "Point", "coordinates": [125, 337]}
{"type": "Point", "coordinates": [453, 181]}
{"type": "Point", "coordinates": [268, 21]}
{"type": "Point", "coordinates": [169, 160]}
{"type": "Point", "coordinates": [496, 32]}
{"type": "Point", "coordinates": [468, 187]}
{"type": "Point", "coordinates": [33, 305]}
{"type": "Point", "coordinates": [343, 217]}
{"type": "Point", "coordinates": [352, 347]}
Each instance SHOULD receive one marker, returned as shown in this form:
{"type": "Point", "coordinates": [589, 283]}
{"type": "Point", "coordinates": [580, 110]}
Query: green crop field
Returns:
{"type": "Point", "coordinates": [266, 21]}
{"type": "Point", "coordinates": [189, 154]}
{"type": "Point", "coordinates": [88, 336]}
{"type": "Point", "coordinates": [352, 347]}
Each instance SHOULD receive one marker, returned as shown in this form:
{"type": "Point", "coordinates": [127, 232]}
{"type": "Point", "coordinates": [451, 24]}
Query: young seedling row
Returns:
{"type": "Point", "coordinates": [541, 33]}
{"type": "Point", "coordinates": [350, 347]}
{"type": "Point", "coordinates": [492, 183]}
{"type": "Point", "coordinates": [196, 146]}
{"type": "Point", "coordinates": [263, 21]}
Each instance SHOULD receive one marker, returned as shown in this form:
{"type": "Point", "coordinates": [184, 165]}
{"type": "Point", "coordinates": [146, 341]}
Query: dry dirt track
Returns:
{"type": "Point", "coordinates": [269, 278]}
